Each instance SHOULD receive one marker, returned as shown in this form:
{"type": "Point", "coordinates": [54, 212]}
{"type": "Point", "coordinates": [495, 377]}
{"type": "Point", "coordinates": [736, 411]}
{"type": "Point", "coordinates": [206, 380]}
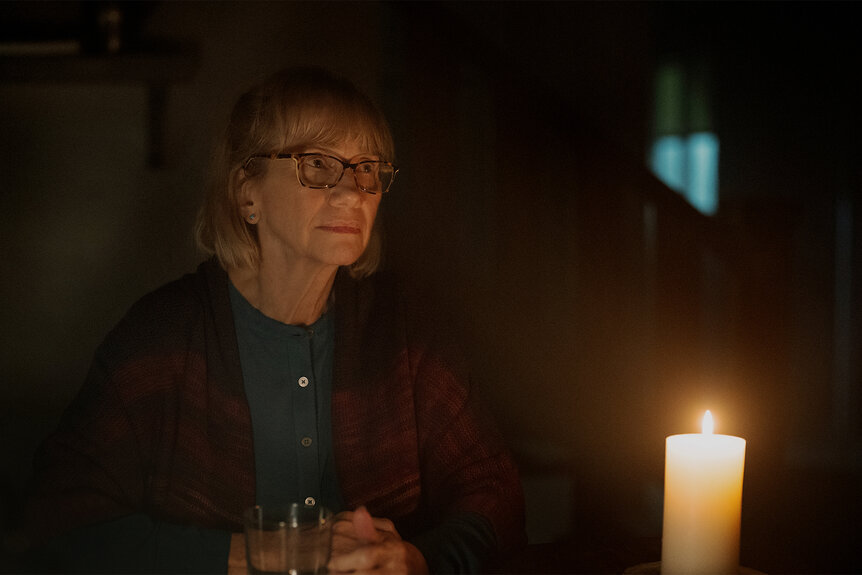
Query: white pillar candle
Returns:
{"type": "Point", "coordinates": [702, 502]}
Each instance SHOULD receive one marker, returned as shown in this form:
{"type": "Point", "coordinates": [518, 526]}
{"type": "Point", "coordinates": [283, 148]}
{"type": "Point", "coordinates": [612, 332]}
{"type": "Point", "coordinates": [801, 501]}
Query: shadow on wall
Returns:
{"type": "Point", "coordinates": [538, 234]}
{"type": "Point", "coordinates": [603, 312]}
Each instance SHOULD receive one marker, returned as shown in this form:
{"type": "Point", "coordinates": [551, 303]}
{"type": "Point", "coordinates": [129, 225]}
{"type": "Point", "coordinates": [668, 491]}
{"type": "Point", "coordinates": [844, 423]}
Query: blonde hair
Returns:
{"type": "Point", "coordinates": [293, 108]}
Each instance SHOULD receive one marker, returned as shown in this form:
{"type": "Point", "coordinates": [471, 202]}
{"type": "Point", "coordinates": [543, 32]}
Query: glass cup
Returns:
{"type": "Point", "coordinates": [291, 539]}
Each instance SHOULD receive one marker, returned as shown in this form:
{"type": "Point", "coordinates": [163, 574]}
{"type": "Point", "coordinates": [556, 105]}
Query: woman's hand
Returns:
{"type": "Point", "coordinates": [365, 544]}
{"type": "Point", "coordinates": [236, 564]}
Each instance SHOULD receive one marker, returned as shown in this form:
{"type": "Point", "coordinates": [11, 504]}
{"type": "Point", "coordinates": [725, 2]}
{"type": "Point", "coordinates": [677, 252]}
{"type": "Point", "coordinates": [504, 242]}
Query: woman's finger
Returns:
{"type": "Point", "coordinates": [363, 525]}
{"type": "Point", "coordinates": [364, 558]}
{"type": "Point", "coordinates": [343, 523]}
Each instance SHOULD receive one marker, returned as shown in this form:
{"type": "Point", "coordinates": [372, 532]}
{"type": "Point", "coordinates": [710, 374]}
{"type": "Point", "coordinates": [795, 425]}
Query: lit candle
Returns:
{"type": "Point", "coordinates": [702, 502]}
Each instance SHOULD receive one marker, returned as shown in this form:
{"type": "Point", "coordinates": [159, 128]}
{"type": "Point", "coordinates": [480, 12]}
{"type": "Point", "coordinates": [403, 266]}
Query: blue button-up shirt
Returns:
{"type": "Point", "coordinates": [287, 374]}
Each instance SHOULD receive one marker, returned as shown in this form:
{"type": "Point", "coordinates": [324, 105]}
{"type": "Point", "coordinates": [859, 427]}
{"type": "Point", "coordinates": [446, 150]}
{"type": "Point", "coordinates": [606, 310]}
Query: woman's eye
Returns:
{"type": "Point", "coordinates": [316, 162]}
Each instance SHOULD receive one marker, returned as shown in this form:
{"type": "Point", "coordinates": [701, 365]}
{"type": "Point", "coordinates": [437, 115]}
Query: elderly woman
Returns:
{"type": "Point", "coordinates": [284, 369]}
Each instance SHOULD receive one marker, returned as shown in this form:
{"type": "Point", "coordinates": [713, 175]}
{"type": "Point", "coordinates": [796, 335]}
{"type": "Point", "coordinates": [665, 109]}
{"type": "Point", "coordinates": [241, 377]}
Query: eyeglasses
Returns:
{"type": "Point", "coordinates": [322, 171]}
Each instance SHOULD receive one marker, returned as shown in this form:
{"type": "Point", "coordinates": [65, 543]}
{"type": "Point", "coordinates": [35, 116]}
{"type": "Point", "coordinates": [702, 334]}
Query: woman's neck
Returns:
{"type": "Point", "coordinates": [295, 295]}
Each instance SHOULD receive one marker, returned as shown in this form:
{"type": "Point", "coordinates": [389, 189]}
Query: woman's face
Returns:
{"type": "Point", "coordinates": [311, 227]}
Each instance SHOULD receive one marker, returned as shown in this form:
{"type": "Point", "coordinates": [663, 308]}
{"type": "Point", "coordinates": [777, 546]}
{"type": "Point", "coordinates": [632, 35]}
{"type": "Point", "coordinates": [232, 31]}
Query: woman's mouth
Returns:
{"type": "Point", "coordinates": [341, 228]}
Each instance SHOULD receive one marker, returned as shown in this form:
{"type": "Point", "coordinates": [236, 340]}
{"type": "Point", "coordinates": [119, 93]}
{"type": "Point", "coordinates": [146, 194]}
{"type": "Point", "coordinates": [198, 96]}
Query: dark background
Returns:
{"type": "Point", "coordinates": [601, 312]}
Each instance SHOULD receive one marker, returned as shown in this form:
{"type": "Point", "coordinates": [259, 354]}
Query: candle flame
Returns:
{"type": "Point", "coordinates": [708, 424]}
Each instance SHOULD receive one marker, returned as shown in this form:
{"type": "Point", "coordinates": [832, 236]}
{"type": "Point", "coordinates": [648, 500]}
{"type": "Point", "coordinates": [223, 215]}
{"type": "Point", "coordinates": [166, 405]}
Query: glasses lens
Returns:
{"type": "Point", "coordinates": [373, 176]}
{"type": "Point", "coordinates": [319, 171]}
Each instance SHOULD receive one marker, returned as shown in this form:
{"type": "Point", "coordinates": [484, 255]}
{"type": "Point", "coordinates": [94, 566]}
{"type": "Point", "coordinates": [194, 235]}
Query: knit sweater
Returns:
{"type": "Point", "coordinates": [162, 426]}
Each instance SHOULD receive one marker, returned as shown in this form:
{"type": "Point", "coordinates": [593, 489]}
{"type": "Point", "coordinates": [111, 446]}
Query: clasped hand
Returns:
{"type": "Point", "coordinates": [365, 544]}
{"type": "Point", "coordinates": [361, 544]}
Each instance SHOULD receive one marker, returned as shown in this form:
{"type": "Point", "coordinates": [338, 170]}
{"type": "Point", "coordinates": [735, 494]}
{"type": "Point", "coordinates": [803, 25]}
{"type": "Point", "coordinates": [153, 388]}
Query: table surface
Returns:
{"type": "Point", "coordinates": [654, 568]}
{"type": "Point", "coordinates": [586, 556]}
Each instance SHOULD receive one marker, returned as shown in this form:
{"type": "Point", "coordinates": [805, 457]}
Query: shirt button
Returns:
{"type": "Point", "coordinates": [303, 381]}
{"type": "Point", "coordinates": [306, 442]}
{"type": "Point", "coordinates": [310, 502]}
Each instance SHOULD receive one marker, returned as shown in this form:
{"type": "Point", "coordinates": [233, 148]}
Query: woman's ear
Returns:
{"type": "Point", "coordinates": [246, 194]}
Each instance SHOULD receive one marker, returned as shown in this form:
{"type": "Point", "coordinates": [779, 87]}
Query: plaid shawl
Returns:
{"type": "Point", "coordinates": [161, 425]}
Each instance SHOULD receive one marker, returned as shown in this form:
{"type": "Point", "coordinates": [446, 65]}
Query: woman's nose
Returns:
{"type": "Point", "coordinates": [345, 194]}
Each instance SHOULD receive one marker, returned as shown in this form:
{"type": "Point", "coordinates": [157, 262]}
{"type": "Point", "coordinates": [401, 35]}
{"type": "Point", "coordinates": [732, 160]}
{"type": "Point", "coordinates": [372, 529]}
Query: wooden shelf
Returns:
{"type": "Point", "coordinates": [160, 61]}
{"type": "Point", "coordinates": [160, 67]}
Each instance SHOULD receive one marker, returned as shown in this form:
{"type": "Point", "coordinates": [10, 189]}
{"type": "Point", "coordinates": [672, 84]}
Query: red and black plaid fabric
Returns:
{"type": "Point", "coordinates": [161, 425]}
